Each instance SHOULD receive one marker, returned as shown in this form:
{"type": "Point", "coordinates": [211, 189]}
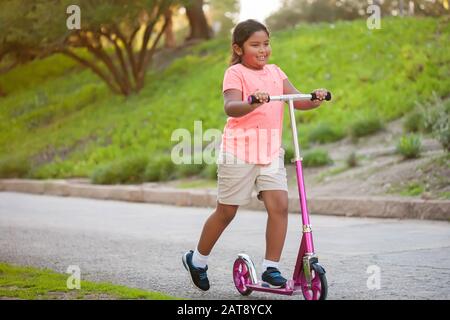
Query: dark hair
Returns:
{"type": "Point", "coordinates": [241, 33]}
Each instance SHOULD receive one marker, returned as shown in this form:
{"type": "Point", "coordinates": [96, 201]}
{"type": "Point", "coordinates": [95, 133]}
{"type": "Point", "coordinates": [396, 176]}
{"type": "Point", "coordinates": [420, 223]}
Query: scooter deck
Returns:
{"type": "Point", "coordinates": [289, 290]}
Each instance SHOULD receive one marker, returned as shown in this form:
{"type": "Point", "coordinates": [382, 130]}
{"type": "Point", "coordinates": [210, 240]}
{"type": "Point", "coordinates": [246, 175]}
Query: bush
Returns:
{"type": "Point", "coordinates": [316, 158]}
{"type": "Point", "coordinates": [414, 122]}
{"type": "Point", "coordinates": [324, 133]}
{"type": "Point", "coordinates": [437, 120]}
{"type": "Point", "coordinates": [209, 172]}
{"type": "Point", "coordinates": [14, 167]}
{"type": "Point", "coordinates": [161, 168]}
{"type": "Point", "coordinates": [365, 127]}
{"type": "Point", "coordinates": [288, 154]}
{"type": "Point", "coordinates": [409, 146]}
{"type": "Point", "coordinates": [189, 170]}
{"type": "Point", "coordinates": [128, 170]}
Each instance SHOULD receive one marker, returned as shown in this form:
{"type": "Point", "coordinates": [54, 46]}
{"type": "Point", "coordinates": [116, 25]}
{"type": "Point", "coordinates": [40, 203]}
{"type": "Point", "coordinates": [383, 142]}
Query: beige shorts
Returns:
{"type": "Point", "coordinates": [237, 179]}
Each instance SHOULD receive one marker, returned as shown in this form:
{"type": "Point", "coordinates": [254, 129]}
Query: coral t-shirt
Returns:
{"type": "Point", "coordinates": [255, 137]}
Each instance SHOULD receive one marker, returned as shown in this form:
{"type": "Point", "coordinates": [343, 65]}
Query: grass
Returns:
{"type": "Point", "coordinates": [409, 146]}
{"type": "Point", "coordinates": [62, 121]}
{"type": "Point", "coordinates": [331, 172]}
{"type": "Point", "coordinates": [29, 283]}
{"type": "Point", "coordinates": [432, 180]}
{"type": "Point", "coordinates": [316, 158]}
{"type": "Point", "coordinates": [412, 189]}
{"type": "Point", "coordinates": [197, 183]}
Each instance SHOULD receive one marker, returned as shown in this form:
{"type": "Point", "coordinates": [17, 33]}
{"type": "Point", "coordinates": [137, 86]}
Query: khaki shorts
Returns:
{"type": "Point", "coordinates": [237, 179]}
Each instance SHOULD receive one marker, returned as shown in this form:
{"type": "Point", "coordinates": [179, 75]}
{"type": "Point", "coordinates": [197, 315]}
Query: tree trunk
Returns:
{"type": "Point", "coordinates": [169, 36]}
{"type": "Point", "coordinates": [197, 21]}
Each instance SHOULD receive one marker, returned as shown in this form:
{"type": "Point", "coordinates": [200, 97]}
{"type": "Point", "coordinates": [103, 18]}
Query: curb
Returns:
{"type": "Point", "coordinates": [370, 206]}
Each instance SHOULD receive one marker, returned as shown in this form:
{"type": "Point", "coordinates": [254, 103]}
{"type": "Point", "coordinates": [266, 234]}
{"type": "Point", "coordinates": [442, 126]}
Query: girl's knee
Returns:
{"type": "Point", "coordinates": [226, 212]}
{"type": "Point", "coordinates": [281, 209]}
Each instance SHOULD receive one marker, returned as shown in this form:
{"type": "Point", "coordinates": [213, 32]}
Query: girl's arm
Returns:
{"type": "Point", "coordinates": [288, 88]}
{"type": "Point", "coordinates": [235, 107]}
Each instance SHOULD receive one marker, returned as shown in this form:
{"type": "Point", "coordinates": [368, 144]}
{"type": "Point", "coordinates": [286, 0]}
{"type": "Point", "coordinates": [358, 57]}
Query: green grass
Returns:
{"type": "Point", "coordinates": [412, 189]}
{"type": "Point", "coordinates": [316, 158]}
{"type": "Point", "coordinates": [331, 172]}
{"type": "Point", "coordinates": [62, 121]}
{"type": "Point", "coordinates": [432, 182]}
{"type": "Point", "coordinates": [30, 283]}
{"type": "Point", "coordinates": [409, 146]}
{"type": "Point", "coordinates": [198, 183]}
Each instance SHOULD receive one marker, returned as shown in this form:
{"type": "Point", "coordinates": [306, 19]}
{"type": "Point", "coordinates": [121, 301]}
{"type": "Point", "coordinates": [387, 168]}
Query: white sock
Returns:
{"type": "Point", "coordinates": [269, 264]}
{"type": "Point", "coordinates": [199, 260]}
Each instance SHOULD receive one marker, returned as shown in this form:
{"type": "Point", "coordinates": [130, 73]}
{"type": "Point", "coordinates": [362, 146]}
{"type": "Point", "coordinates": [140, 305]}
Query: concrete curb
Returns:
{"type": "Point", "coordinates": [370, 206]}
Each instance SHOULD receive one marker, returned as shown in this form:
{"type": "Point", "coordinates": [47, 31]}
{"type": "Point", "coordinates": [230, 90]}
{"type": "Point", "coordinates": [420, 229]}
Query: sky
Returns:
{"type": "Point", "coordinates": [257, 9]}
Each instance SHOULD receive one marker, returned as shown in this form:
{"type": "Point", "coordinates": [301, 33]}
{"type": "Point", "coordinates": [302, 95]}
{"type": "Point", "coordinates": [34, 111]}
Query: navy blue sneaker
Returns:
{"type": "Point", "coordinates": [272, 276]}
{"type": "Point", "coordinates": [198, 275]}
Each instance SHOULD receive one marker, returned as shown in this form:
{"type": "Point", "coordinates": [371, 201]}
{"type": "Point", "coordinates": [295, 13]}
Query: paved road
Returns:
{"type": "Point", "coordinates": [140, 245]}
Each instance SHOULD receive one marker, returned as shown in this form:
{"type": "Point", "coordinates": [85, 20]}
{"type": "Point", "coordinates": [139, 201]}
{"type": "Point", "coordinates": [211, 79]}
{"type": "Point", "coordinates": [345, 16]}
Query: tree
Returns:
{"type": "Point", "coordinates": [197, 20]}
{"type": "Point", "coordinates": [293, 12]}
{"type": "Point", "coordinates": [117, 39]}
{"type": "Point", "coordinates": [224, 15]}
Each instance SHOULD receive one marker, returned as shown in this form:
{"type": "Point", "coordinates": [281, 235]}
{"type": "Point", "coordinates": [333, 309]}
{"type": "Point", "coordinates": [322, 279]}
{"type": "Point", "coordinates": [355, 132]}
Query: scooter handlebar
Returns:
{"type": "Point", "coordinates": [312, 96]}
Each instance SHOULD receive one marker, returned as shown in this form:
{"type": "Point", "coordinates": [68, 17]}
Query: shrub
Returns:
{"type": "Point", "coordinates": [324, 133]}
{"type": "Point", "coordinates": [437, 120]}
{"type": "Point", "coordinates": [409, 146]}
{"type": "Point", "coordinates": [365, 127]}
{"type": "Point", "coordinates": [128, 170]}
{"type": "Point", "coordinates": [209, 172]}
{"type": "Point", "coordinates": [316, 158]}
{"type": "Point", "coordinates": [14, 167]}
{"type": "Point", "coordinates": [160, 168]}
{"type": "Point", "coordinates": [288, 154]}
{"type": "Point", "coordinates": [188, 170]}
{"type": "Point", "coordinates": [414, 122]}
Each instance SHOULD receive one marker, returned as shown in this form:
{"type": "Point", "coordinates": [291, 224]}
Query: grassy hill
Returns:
{"type": "Point", "coordinates": [59, 120]}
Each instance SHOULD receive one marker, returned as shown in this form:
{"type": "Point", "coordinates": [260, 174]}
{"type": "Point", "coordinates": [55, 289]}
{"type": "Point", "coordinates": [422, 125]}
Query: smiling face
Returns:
{"type": "Point", "coordinates": [256, 50]}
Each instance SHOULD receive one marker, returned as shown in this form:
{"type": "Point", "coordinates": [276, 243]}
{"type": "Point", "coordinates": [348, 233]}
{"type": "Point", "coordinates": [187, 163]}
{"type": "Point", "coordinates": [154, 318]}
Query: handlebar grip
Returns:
{"type": "Point", "coordinates": [252, 99]}
{"type": "Point", "coordinates": [327, 97]}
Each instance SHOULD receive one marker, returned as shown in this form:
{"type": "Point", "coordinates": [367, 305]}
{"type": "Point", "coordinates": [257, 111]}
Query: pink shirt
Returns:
{"type": "Point", "coordinates": [255, 137]}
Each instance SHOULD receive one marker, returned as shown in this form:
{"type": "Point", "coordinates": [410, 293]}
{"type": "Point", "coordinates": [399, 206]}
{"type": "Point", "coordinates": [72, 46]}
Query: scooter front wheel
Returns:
{"type": "Point", "coordinates": [319, 286]}
{"type": "Point", "coordinates": [242, 276]}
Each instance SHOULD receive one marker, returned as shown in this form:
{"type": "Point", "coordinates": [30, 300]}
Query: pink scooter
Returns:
{"type": "Point", "coordinates": [309, 276]}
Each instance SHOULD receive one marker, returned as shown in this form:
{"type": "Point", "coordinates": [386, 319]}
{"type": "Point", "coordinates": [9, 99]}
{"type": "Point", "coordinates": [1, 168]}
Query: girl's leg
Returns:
{"type": "Point", "coordinates": [276, 203]}
{"type": "Point", "coordinates": [214, 226]}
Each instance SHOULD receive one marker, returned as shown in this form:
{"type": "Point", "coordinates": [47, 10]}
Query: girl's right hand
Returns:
{"type": "Point", "coordinates": [262, 96]}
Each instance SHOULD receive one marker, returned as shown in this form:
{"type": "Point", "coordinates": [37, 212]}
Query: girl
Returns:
{"type": "Point", "coordinates": [251, 155]}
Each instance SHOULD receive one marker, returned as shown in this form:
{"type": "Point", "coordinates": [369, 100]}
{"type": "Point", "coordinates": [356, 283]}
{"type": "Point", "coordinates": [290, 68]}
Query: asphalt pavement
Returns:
{"type": "Point", "coordinates": [140, 245]}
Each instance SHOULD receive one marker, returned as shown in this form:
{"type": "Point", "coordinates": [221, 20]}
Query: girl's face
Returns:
{"type": "Point", "coordinates": [256, 50]}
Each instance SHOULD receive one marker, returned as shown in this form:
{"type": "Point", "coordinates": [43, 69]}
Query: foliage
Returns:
{"type": "Point", "coordinates": [409, 146]}
{"type": "Point", "coordinates": [365, 126]}
{"type": "Point", "coordinates": [316, 158]}
{"type": "Point", "coordinates": [324, 133]}
{"type": "Point", "coordinates": [436, 114]}
{"type": "Point", "coordinates": [292, 12]}
{"type": "Point", "coordinates": [67, 124]}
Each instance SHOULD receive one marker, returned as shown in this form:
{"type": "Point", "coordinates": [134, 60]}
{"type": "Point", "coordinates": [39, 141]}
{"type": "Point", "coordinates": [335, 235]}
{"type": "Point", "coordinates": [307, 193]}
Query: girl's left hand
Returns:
{"type": "Point", "coordinates": [320, 94]}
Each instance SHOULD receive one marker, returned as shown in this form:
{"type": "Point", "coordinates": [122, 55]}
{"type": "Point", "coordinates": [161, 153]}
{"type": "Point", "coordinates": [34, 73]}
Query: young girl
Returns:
{"type": "Point", "coordinates": [251, 155]}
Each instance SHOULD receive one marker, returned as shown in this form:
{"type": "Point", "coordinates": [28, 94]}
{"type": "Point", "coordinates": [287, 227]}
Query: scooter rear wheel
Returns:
{"type": "Point", "coordinates": [242, 276]}
{"type": "Point", "coordinates": [319, 285]}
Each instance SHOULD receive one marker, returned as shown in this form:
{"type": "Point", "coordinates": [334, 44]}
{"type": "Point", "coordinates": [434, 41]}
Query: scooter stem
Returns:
{"type": "Point", "coordinates": [307, 234]}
